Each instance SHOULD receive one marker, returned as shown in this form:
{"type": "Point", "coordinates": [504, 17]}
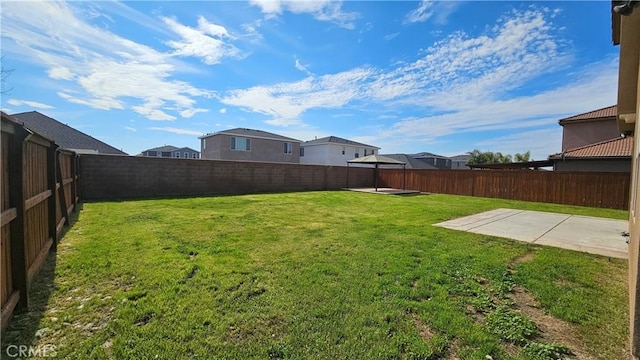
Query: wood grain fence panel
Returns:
{"type": "Point", "coordinates": [607, 190]}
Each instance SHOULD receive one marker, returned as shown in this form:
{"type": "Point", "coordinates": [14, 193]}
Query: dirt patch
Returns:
{"type": "Point", "coordinates": [524, 258]}
{"type": "Point", "coordinates": [453, 351]}
{"type": "Point", "coordinates": [552, 330]}
{"type": "Point", "coordinates": [425, 331]}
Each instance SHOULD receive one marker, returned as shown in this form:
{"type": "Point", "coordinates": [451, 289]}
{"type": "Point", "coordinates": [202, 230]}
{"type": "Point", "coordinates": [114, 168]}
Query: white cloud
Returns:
{"type": "Point", "coordinates": [301, 67]}
{"type": "Point", "coordinates": [177, 131]}
{"type": "Point", "coordinates": [131, 129]}
{"type": "Point", "coordinates": [223, 111]}
{"type": "Point", "coordinates": [33, 104]}
{"type": "Point", "coordinates": [208, 41]}
{"type": "Point", "coordinates": [99, 67]}
{"type": "Point", "coordinates": [285, 102]}
{"type": "Point", "coordinates": [428, 9]}
{"type": "Point", "coordinates": [422, 13]}
{"type": "Point", "coordinates": [458, 74]}
{"type": "Point", "coordinates": [391, 36]}
{"type": "Point", "coordinates": [323, 10]}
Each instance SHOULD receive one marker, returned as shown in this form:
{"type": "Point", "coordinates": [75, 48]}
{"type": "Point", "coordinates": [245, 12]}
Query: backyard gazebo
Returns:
{"type": "Point", "coordinates": [379, 160]}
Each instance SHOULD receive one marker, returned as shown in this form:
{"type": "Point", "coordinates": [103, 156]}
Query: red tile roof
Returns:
{"type": "Point", "coordinates": [610, 111]}
{"type": "Point", "coordinates": [614, 148]}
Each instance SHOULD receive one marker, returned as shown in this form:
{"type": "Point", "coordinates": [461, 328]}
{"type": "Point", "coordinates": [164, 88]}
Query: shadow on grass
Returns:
{"type": "Point", "coordinates": [25, 325]}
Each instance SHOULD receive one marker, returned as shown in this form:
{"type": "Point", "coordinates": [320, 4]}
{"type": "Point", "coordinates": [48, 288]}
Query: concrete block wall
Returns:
{"type": "Point", "coordinates": [104, 177]}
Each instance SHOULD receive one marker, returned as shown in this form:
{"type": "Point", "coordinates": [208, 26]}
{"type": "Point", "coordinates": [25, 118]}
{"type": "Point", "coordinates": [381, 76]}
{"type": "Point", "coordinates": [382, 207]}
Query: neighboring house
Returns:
{"type": "Point", "coordinates": [333, 150]}
{"type": "Point", "coordinates": [589, 128]}
{"type": "Point", "coordinates": [626, 33]}
{"type": "Point", "coordinates": [249, 145]}
{"type": "Point", "coordinates": [606, 156]}
{"type": "Point", "coordinates": [459, 162]}
{"type": "Point", "coordinates": [438, 161]}
{"type": "Point", "coordinates": [410, 162]}
{"type": "Point", "coordinates": [591, 142]}
{"type": "Point", "coordinates": [65, 136]}
{"type": "Point", "coordinates": [172, 152]}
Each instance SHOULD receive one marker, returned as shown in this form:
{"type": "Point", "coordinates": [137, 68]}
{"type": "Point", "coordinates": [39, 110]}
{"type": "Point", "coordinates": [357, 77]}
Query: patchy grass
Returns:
{"type": "Point", "coordinates": [314, 275]}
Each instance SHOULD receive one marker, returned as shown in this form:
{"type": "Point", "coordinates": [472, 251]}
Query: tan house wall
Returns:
{"type": "Point", "coordinates": [629, 102]}
{"type": "Point", "coordinates": [609, 165]}
{"type": "Point", "coordinates": [218, 147]}
{"type": "Point", "coordinates": [579, 134]}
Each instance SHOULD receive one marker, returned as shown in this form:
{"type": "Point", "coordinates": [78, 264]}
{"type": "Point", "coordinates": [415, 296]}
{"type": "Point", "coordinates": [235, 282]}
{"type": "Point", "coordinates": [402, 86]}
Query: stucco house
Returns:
{"type": "Point", "coordinates": [589, 128]}
{"type": "Point", "coordinates": [172, 152]}
{"type": "Point", "coordinates": [606, 156]}
{"type": "Point", "coordinates": [626, 34]}
{"type": "Point", "coordinates": [333, 150]}
{"type": "Point", "coordinates": [64, 135]}
{"type": "Point", "coordinates": [591, 141]}
{"type": "Point", "coordinates": [459, 162]}
{"type": "Point", "coordinates": [242, 144]}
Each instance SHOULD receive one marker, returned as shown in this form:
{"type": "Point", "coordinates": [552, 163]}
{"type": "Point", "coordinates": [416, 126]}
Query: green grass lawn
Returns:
{"type": "Point", "coordinates": [316, 275]}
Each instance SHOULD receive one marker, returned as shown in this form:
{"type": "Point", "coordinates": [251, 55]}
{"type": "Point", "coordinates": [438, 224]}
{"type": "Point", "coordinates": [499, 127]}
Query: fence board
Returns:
{"type": "Point", "coordinates": [606, 190]}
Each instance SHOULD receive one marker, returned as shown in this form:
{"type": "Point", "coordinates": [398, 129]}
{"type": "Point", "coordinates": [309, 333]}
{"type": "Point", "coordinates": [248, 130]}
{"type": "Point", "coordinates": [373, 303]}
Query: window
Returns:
{"type": "Point", "coordinates": [152, 153]}
{"type": "Point", "coordinates": [288, 148]}
{"type": "Point", "coordinates": [186, 155]}
{"type": "Point", "coordinates": [240, 144]}
{"type": "Point", "coordinates": [204, 144]}
{"type": "Point", "coordinates": [177, 154]}
{"type": "Point", "coordinates": [357, 154]}
{"type": "Point", "coordinates": [194, 155]}
{"type": "Point", "coordinates": [343, 150]}
{"type": "Point", "coordinates": [301, 151]}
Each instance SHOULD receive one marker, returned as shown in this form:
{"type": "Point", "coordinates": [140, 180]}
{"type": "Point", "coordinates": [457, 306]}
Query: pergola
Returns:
{"type": "Point", "coordinates": [379, 160]}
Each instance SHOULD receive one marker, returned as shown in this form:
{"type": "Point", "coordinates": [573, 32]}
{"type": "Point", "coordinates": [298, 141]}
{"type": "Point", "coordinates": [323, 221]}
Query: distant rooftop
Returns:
{"type": "Point", "coordinates": [169, 148]}
{"type": "Point", "coordinates": [607, 112]}
{"type": "Point", "coordinates": [63, 135]}
{"type": "Point", "coordinates": [251, 133]}
{"type": "Point", "coordinates": [336, 140]}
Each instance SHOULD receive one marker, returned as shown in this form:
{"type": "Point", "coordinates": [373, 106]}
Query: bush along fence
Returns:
{"type": "Point", "coordinates": [39, 191]}
{"type": "Point", "coordinates": [605, 190]}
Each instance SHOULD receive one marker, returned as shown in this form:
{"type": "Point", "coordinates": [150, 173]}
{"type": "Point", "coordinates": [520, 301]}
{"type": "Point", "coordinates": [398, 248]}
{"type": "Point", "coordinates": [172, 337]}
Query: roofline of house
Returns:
{"type": "Point", "coordinates": [284, 138]}
{"type": "Point", "coordinates": [339, 144]}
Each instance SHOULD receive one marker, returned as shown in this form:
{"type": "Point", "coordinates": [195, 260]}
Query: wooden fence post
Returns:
{"type": "Point", "coordinates": [19, 264]}
{"type": "Point", "coordinates": [51, 180]}
{"type": "Point", "coordinates": [60, 180]}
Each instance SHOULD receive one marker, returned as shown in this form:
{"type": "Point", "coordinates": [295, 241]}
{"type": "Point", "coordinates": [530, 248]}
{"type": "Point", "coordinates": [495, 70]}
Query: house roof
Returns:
{"type": "Point", "coordinates": [463, 157]}
{"type": "Point", "coordinates": [607, 112]}
{"type": "Point", "coordinates": [336, 140]}
{"type": "Point", "coordinates": [376, 159]}
{"type": "Point", "coordinates": [621, 147]}
{"type": "Point", "coordinates": [64, 135]}
{"type": "Point", "coordinates": [427, 155]}
{"type": "Point", "coordinates": [411, 162]}
{"type": "Point", "coordinates": [168, 148]}
{"type": "Point", "coordinates": [251, 133]}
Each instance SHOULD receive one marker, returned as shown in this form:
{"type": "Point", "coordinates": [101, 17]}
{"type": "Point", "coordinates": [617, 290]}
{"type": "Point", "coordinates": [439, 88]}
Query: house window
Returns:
{"type": "Point", "coordinates": [357, 154]}
{"type": "Point", "coordinates": [343, 150]}
{"type": "Point", "coordinates": [186, 155]}
{"type": "Point", "coordinates": [434, 161]}
{"type": "Point", "coordinates": [152, 153]}
{"type": "Point", "coordinates": [288, 148]}
{"type": "Point", "coordinates": [301, 151]}
{"type": "Point", "coordinates": [204, 144]}
{"type": "Point", "coordinates": [194, 155]}
{"type": "Point", "coordinates": [240, 144]}
{"type": "Point", "coordinates": [177, 154]}
{"type": "Point", "coordinates": [166, 154]}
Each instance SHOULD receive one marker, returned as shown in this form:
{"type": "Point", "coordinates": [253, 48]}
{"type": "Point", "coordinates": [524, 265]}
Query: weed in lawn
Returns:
{"type": "Point", "coordinates": [542, 351]}
{"type": "Point", "coordinates": [511, 326]}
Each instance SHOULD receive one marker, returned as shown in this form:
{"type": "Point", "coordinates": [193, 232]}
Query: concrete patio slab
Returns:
{"type": "Point", "coordinates": [385, 191]}
{"type": "Point", "coordinates": [581, 233]}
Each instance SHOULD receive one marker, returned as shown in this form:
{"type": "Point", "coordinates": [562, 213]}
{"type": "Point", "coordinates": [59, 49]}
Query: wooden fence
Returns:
{"type": "Point", "coordinates": [39, 190]}
{"type": "Point", "coordinates": [606, 190]}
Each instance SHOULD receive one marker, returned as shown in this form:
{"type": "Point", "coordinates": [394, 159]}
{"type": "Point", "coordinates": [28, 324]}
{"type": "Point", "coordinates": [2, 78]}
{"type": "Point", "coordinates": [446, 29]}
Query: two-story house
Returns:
{"type": "Point", "coordinates": [172, 152]}
{"type": "Point", "coordinates": [249, 145]}
{"type": "Point", "coordinates": [591, 141]}
{"type": "Point", "coordinates": [438, 161]}
{"type": "Point", "coordinates": [333, 150]}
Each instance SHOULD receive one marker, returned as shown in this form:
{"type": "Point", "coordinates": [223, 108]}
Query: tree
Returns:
{"type": "Point", "coordinates": [4, 74]}
{"type": "Point", "coordinates": [488, 157]}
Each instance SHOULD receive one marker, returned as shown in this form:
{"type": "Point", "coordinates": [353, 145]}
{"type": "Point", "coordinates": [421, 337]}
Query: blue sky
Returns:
{"type": "Point", "coordinates": [406, 76]}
